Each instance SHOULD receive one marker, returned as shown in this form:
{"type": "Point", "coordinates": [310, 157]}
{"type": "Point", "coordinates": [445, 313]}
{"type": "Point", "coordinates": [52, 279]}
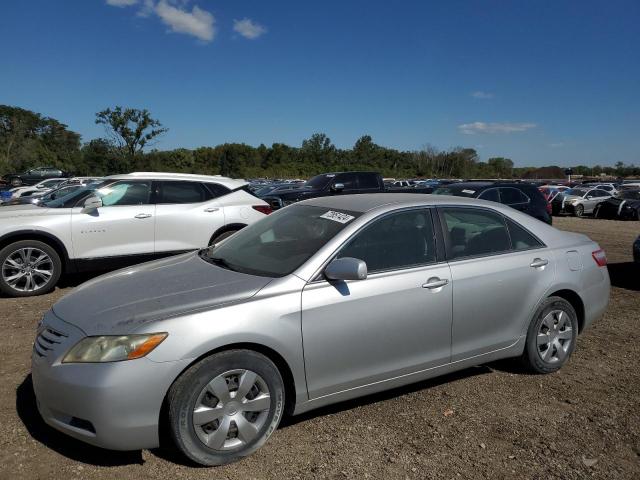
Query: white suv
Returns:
{"type": "Point", "coordinates": [123, 220]}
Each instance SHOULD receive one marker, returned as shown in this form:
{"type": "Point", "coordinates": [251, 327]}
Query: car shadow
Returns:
{"type": "Point", "coordinates": [625, 275]}
{"type": "Point", "coordinates": [27, 410]}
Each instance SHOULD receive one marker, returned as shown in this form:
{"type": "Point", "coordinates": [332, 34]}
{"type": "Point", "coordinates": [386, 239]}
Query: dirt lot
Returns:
{"type": "Point", "coordinates": [583, 422]}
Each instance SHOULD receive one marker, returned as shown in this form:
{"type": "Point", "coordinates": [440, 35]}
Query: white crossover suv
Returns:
{"type": "Point", "coordinates": [124, 219]}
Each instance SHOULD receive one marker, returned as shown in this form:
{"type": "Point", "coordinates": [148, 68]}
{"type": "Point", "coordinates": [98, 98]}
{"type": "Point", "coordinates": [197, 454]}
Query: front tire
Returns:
{"type": "Point", "coordinates": [579, 210]}
{"type": "Point", "coordinates": [225, 407]}
{"type": "Point", "coordinates": [28, 268]}
{"type": "Point", "coordinates": [551, 337]}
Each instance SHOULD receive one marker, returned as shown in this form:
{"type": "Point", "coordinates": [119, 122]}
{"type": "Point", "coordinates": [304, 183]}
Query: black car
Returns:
{"type": "Point", "coordinates": [624, 205]}
{"type": "Point", "coordinates": [35, 175]}
{"type": "Point", "coordinates": [522, 196]}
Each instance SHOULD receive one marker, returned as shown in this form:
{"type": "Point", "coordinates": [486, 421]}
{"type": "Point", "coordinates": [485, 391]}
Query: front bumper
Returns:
{"type": "Point", "coordinates": [110, 405]}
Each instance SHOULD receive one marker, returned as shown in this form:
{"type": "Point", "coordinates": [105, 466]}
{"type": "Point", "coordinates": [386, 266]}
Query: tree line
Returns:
{"type": "Point", "coordinates": [29, 139]}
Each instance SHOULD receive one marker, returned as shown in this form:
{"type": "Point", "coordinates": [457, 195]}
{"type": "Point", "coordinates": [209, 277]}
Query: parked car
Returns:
{"type": "Point", "coordinates": [384, 290]}
{"type": "Point", "coordinates": [521, 196]}
{"type": "Point", "coordinates": [40, 187]}
{"type": "Point", "coordinates": [274, 189]}
{"type": "Point", "coordinates": [624, 205]}
{"type": "Point", "coordinates": [125, 219]}
{"type": "Point", "coordinates": [47, 196]}
{"type": "Point", "coordinates": [550, 191]}
{"type": "Point", "coordinates": [578, 201]}
{"type": "Point", "coordinates": [33, 176]}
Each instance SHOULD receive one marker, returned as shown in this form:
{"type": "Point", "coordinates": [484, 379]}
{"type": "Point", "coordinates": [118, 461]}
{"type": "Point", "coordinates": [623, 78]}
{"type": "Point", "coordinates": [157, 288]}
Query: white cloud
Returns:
{"type": "Point", "coordinates": [482, 127]}
{"type": "Point", "coordinates": [198, 23]}
{"type": "Point", "coordinates": [121, 3]}
{"type": "Point", "coordinates": [482, 95]}
{"type": "Point", "coordinates": [248, 28]}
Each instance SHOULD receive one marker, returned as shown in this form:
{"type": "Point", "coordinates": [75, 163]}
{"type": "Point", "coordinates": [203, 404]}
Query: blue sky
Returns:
{"type": "Point", "coordinates": [541, 82]}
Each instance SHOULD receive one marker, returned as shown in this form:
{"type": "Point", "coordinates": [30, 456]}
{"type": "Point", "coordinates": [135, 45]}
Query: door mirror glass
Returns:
{"type": "Point", "coordinates": [92, 203]}
{"type": "Point", "coordinates": [337, 187]}
{"type": "Point", "coordinates": [346, 268]}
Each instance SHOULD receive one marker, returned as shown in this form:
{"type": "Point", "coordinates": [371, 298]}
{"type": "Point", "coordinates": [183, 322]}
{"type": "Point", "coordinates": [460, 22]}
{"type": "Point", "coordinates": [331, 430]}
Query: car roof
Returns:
{"type": "Point", "coordinates": [231, 183]}
{"type": "Point", "coordinates": [365, 202]}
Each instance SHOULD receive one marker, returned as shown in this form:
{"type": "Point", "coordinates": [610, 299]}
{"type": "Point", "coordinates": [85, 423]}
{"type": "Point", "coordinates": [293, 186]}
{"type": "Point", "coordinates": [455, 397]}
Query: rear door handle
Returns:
{"type": "Point", "coordinates": [211, 209]}
{"type": "Point", "coordinates": [539, 262]}
{"type": "Point", "coordinates": [143, 215]}
{"type": "Point", "coordinates": [435, 282]}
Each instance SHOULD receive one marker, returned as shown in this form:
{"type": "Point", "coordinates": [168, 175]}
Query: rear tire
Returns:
{"type": "Point", "coordinates": [209, 423]}
{"type": "Point", "coordinates": [223, 236]}
{"type": "Point", "coordinates": [28, 268]}
{"type": "Point", "coordinates": [551, 337]}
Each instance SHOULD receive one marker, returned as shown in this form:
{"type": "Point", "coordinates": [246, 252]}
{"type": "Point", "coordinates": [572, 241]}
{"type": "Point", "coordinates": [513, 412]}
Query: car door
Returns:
{"type": "Point", "coordinates": [499, 272]}
{"type": "Point", "coordinates": [514, 198]}
{"type": "Point", "coordinates": [187, 215]}
{"type": "Point", "coordinates": [593, 198]}
{"type": "Point", "coordinates": [123, 225]}
{"type": "Point", "coordinates": [396, 322]}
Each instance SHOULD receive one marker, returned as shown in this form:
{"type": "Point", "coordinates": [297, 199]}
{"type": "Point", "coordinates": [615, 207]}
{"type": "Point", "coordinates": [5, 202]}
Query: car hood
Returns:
{"type": "Point", "coordinates": [123, 301]}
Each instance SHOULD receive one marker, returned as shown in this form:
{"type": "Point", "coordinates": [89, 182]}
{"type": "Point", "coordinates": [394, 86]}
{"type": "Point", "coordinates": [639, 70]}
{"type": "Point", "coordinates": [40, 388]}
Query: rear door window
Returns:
{"type": "Point", "coordinates": [182, 192]}
{"type": "Point", "coordinates": [368, 181]}
{"type": "Point", "coordinates": [474, 232]}
{"type": "Point", "coordinates": [490, 195]}
{"type": "Point", "coordinates": [521, 238]}
{"type": "Point", "coordinates": [512, 196]}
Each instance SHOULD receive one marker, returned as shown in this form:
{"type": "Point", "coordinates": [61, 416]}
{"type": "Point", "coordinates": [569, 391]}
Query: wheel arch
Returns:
{"type": "Point", "coordinates": [227, 228]}
{"type": "Point", "coordinates": [576, 302]}
{"type": "Point", "coordinates": [279, 361]}
{"type": "Point", "coordinates": [40, 236]}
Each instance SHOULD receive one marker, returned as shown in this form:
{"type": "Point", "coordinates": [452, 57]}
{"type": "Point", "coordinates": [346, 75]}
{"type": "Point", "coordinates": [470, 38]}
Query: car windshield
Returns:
{"type": "Point", "coordinates": [63, 196]}
{"type": "Point", "coordinates": [458, 191]}
{"type": "Point", "coordinates": [629, 194]}
{"type": "Point", "coordinates": [578, 192]}
{"type": "Point", "coordinates": [278, 244]}
{"type": "Point", "coordinates": [319, 181]}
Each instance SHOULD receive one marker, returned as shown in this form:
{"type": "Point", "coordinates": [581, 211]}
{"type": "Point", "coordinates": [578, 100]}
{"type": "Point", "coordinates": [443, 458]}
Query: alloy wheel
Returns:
{"type": "Point", "coordinates": [27, 269]}
{"type": "Point", "coordinates": [555, 335]}
{"type": "Point", "coordinates": [231, 410]}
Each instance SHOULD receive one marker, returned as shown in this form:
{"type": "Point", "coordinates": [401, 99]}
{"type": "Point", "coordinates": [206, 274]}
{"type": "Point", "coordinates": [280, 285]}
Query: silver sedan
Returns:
{"type": "Point", "coordinates": [323, 301]}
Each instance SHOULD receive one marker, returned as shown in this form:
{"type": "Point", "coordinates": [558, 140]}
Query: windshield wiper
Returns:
{"type": "Point", "coordinates": [220, 262]}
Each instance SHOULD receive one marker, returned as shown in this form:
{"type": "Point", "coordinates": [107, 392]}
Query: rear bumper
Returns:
{"type": "Point", "coordinates": [595, 295]}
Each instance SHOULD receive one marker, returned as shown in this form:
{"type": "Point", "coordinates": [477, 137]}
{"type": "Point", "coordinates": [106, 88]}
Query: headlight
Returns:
{"type": "Point", "coordinates": [113, 348]}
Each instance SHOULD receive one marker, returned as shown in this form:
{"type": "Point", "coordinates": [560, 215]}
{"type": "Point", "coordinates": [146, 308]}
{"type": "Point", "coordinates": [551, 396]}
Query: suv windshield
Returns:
{"type": "Point", "coordinates": [68, 198]}
{"type": "Point", "coordinates": [278, 244]}
{"type": "Point", "coordinates": [319, 181]}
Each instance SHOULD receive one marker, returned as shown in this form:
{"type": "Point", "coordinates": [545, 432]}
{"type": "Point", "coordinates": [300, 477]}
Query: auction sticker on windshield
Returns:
{"type": "Point", "coordinates": [337, 216]}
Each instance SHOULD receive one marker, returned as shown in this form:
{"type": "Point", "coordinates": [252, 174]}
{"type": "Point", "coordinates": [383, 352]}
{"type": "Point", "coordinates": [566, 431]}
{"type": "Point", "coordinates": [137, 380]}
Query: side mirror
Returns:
{"type": "Point", "coordinates": [92, 203]}
{"type": "Point", "coordinates": [337, 187]}
{"type": "Point", "coordinates": [589, 197]}
{"type": "Point", "coordinates": [346, 268]}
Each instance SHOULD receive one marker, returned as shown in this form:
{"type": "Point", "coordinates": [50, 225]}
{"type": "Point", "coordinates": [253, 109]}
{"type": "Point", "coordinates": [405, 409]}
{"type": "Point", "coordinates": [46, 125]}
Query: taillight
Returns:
{"type": "Point", "coordinates": [266, 209]}
{"type": "Point", "coordinates": [600, 257]}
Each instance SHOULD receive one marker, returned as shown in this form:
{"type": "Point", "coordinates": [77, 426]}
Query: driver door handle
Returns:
{"type": "Point", "coordinates": [211, 209]}
{"type": "Point", "coordinates": [539, 262]}
{"type": "Point", "coordinates": [435, 282]}
{"type": "Point", "coordinates": [142, 215]}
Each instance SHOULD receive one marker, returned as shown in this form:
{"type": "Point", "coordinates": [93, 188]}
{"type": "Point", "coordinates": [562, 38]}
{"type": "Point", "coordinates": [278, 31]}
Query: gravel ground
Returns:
{"type": "Point", "coordinates": [488, 421]}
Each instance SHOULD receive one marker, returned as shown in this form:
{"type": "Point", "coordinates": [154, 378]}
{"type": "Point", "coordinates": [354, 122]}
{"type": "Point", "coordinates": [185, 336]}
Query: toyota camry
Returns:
{"type": "Point", "coordinates": [323, 301]}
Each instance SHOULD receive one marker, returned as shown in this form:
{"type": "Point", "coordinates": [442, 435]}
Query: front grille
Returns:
{"type": "Point", "coordinates": [47, 340]}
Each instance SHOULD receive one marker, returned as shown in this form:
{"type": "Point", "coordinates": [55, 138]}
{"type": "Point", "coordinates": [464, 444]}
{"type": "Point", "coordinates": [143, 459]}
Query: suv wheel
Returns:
{"type": "Point", "coordinates": [225, 407]}
{"type": "Point", "coordinates": [579, 210]}
{"type": "Point", "coordinates": [16, 182]}
{"type": "Point", "coordinates": [551, 337]}
{"type": "Point", "coordinates": [28, 268]}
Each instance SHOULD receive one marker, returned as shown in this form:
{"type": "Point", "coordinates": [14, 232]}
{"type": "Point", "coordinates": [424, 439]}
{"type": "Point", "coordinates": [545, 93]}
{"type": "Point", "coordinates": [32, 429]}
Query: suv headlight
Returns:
{"type": "Point", "coordinates": [112, 348]}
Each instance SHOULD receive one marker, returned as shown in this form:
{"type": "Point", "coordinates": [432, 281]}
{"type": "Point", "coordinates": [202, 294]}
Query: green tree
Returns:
{"type": "Point", "coordinates": [130, 129]}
